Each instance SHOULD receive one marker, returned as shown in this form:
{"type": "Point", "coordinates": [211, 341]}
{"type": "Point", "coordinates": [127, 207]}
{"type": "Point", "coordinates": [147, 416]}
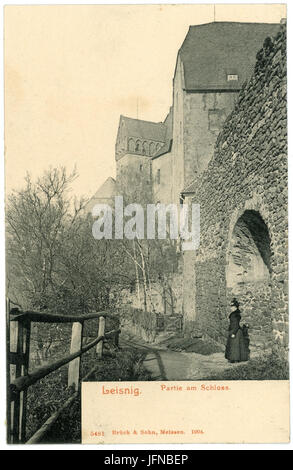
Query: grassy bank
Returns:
{"type": "Point", "coordinates": [272, 367]}
{"type": "Point", "coordinates": [49, 394]}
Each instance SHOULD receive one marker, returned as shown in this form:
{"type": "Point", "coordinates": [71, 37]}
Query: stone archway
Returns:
{"type": "Point", "coordinates": [248, 276]}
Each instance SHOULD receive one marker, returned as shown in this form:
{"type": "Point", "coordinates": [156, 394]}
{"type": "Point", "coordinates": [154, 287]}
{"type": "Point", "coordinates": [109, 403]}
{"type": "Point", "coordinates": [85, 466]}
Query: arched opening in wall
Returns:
{"type": "Point", "coordinates": [138, 146]}
{"type": "Point", "coordinates": [145, 149]}
{"type": "Point", "coordinates": [248, 276]}
{"type": "Point", "coordinates": [152, 148]}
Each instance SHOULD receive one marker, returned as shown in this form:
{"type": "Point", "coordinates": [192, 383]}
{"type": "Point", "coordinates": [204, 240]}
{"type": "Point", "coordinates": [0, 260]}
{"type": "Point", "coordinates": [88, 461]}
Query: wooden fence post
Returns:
{"type": "Point", "coordinates": [8, 394]}
{"type": "Point", "coordinates": [74, 366]}
{"type": "Point", "coordinates": [18, 364]}
{"type": "Point", "coordinates": [26, 332]}
{"type": "Point", "coordinates": [101, 332]}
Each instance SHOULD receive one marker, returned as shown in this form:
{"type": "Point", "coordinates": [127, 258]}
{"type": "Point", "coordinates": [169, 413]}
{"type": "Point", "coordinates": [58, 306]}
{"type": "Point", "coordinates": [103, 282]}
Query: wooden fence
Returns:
{"type": "Point", "coordinates": [18, 377]}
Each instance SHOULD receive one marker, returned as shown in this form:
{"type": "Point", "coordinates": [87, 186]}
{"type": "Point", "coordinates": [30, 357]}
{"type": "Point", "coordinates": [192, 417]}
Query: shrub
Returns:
{"type": "Point", "coordinates": [48, 395]}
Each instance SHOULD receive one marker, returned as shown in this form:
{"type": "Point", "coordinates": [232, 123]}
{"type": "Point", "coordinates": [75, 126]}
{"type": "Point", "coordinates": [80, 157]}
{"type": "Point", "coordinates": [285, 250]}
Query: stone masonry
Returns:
{"type": "Point", "coordinates": [243, 200]}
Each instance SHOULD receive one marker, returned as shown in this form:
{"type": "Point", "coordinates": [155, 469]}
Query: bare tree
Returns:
{"type": "Point", "coordinates": [53, 261]}
{"type": "Point", "coordinates": [153, 260]}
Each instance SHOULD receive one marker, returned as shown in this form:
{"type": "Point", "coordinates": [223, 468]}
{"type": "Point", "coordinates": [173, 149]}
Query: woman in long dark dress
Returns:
{"type": "Point", "coordinates": [237, 344]}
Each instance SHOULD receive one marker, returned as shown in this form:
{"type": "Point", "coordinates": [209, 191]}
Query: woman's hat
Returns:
{"type": "Point", "coordinates": [234, 303]}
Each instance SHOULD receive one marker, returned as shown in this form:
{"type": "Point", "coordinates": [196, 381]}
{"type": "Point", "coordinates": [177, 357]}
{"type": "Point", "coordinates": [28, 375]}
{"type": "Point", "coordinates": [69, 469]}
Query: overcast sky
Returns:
{"type": "Point", "coordinates": [70, 71]}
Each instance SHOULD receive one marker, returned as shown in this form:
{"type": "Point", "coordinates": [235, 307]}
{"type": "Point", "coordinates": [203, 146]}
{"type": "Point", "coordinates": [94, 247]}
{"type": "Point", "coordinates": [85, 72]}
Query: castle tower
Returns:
{"type": "Point", "coordinates": [137, 141]}
{"type": "Point", "coordinates": [213, 63]}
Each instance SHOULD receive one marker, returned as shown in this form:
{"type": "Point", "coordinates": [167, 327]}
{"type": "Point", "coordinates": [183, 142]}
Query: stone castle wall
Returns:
{"type": "Point", "coordinates": [162, 189]}
{"type": "Point", "coordinates": [243, 200]}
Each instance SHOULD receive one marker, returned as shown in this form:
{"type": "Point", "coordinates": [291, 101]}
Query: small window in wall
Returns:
{"type": "Point", "coordinates": [141, 167]}
{"type": "Point", "coordinates": [232, 78]}
{"type": "Point", "coordinates": [158, 176]}
{"type": "Point", "coordinates": [216, 119]}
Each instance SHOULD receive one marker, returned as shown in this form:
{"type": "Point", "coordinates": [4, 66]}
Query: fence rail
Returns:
{"type": "Point", "coordinates": [18, 378]}
{"type": "Point", "coordinates": [55, 318]}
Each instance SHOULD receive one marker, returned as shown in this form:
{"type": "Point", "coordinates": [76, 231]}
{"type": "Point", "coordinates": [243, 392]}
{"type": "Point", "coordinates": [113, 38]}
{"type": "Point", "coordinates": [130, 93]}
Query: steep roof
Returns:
{"type": "Point", "coordinates": [190, 188]}
{"type": "Point", "coordinates": [145, 129]}
{"type": "Point", "coordinates": [107, 190]}
{"type": "Point", "coordinates": [212, 51]}
{"type": "Point", "coordinates": [104, 194]}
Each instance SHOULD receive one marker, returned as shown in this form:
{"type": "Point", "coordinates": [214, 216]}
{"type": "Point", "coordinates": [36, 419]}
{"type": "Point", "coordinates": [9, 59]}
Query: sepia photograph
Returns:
{"type": "Point", "coordinates": [146, 223]}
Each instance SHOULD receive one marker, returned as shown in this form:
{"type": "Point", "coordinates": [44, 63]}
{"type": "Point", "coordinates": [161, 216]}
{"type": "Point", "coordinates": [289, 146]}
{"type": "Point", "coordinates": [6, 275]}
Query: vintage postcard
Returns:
{"type": "Point", "coordinates": [146, 224]}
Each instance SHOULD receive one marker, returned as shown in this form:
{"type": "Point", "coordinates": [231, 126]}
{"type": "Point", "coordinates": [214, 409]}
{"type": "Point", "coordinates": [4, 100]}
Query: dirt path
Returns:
{"type": "Point", "coordinates": [164, 364]}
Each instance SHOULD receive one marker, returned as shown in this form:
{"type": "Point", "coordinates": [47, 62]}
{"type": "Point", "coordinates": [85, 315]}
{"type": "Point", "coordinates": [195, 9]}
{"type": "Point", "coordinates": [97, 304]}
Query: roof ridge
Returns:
{"type": "Point", "coordinates": [211, 50]}
{"type": "Point", "coordinates": [142, 120]}
{"type": "Point", "coordinates": [231, 22]}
